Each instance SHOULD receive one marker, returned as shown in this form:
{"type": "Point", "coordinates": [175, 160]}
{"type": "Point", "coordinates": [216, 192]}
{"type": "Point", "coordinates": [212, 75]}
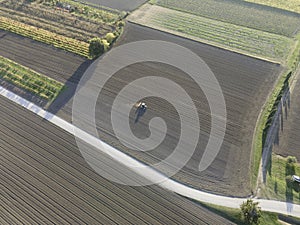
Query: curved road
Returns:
{"type": "Point", "coordinates": [171, 185]}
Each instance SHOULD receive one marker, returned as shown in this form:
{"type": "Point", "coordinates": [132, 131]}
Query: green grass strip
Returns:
{"type": "Point", "coordinates": [68, 44]}
{"type": "Point", "coordinates": [279, 185]}
{"type": "Point", "coordinates": [29, 80]}
{"type": "Point", "coordinates": [234, 215]}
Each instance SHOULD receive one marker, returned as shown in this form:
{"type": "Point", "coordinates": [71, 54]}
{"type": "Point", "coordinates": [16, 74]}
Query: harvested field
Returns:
{"type": "Point", "coordinates": [45, 180]}
{"type": "Point", "coordinates": [124, 5]}
{"type": "Point", "coordinates": [245, 82]}
{"type": "Point", "coordinates": [288, 141]}
{"type": "Point", "coordinates": [241, 13]}
{"type": "Point", "coordinates": [226, 35]}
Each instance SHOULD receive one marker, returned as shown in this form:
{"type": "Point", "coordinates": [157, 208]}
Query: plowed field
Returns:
{"type": "Point", "coordinates": [44, 179]}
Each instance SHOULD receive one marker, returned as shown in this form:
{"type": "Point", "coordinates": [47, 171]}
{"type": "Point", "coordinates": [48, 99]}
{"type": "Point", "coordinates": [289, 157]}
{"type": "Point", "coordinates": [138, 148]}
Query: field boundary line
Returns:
{"type": "Point", "coordinates": [169, 184]}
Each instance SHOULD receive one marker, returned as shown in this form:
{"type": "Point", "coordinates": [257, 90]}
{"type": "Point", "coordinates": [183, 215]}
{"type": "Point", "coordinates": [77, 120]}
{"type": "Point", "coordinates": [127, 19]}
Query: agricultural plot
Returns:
{"type": "Point", "coordinates": [54, 63]}
{"type": "Point", "coordinates": [59, 65]}
{"type": "Point", "coordinates": [29, 80]}
{"type": "Point", "coordinates": [237, 38]}
{"type": "Point", "coordinates": [290, 5]}
{"type": "Point", "coordinates": [124, 5]}
{"type": "Point", "coordinates": [45, 180]}
{"type": "Point", "coordinates": [58, 41]}
{"type": "Point", "coordinates": [68, 25]}
{"type": "Point", "coordinates": [241, 13]}
{"type": "Point", "coordinates": [245, 83]}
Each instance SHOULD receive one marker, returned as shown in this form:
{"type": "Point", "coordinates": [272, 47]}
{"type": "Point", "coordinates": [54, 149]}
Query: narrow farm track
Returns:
{"type": "Point", "coordinates": [43, 59]}
{"type": "Point", "coordinates": [45, 180]}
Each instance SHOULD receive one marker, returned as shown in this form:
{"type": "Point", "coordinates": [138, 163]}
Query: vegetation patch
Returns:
{"type": "Point", "coordinates": [234, 215]}
{"type": "Point", "coordinates": [100, 14]}
{"type": "Point", "coordinates": [29, 80]}
{"type": "Point", "coordinates": [66, 24]}
{"type": "Point", "coordinates": [290, 5]}
{"type": "Point", "coordinates": [279, 184]}
{"type": "Point", "coordinates": [241, 13]}
{"type": "Point", "coordinates": [245, 40]}
{"type": "Point", "coordinates": [41, 35]}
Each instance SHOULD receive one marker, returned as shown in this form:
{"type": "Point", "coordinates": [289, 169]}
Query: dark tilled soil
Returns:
{"type": "Point", "coordinates": [245, 82]}
{"type": "Point", "coordinates": [45, 180]}
{"type": "Point", "coordinates": [123, 5]}
{"type": "Point", "coordinates": [287, 142]}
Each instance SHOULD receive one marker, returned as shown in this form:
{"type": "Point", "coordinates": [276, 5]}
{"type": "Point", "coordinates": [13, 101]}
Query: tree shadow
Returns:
{"type": "Point", "coordinates": [273, 126]}
{"type": "Point", "coordinates": [70, 88]}
{"type": "Point", "coordinates": [269, 167]}
{"type": "Point", "coordinates": [289, 197]}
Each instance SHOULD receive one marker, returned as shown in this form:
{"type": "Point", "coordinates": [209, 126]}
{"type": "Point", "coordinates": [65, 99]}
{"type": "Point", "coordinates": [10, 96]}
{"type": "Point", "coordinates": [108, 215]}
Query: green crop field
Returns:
{"type": "Point", "coordinates": [245, 40]}
{"type": "Point", "coordinates": [290, 5]}
{"type": "Point", "coordinates": [29, 80]}
{"type": "Point", "coordinates": [241, 13]}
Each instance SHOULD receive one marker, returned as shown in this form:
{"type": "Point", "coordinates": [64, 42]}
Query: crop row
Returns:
{"type": "Point", "coordinates": [58, 28]}
{"type": "Point", "coordinates": [79, 10]}
{"type": "Point", "coordinates": [29, 80]}
{"type": "Point", "coordinates": [59, 41]}
{"type": "Point", "coordinates": [239, 13]}
{"type": "Point", "coordinates": [240, 38]}
{"type": "Point", "coordinates": [56, 21]}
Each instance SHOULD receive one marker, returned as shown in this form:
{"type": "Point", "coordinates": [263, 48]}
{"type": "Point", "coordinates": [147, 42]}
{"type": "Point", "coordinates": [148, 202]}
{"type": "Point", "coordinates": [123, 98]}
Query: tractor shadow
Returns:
{"type": "Point", "coordinates": [139, 112]}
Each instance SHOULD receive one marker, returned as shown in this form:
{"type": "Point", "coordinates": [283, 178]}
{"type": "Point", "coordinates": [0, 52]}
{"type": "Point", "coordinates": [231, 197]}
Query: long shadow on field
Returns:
{"type": "Point", "coordinates": [70, 88]}
{"type": "Point", "coordinates": [274, 127]}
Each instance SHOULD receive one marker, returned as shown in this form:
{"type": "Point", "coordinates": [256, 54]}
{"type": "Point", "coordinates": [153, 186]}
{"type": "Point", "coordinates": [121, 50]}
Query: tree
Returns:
{"type": "Point", "coordinates": [96, 47]}
{"type": "Point", "coordinates": [251, 212]}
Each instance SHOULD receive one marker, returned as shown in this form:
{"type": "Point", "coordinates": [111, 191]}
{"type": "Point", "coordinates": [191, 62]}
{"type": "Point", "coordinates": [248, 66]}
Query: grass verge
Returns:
{"type": "Point", "coordinates": [29, 80]}
{"type": "Point", "coordinates": [278, 184]}
{"type": "Point", "coordinates": [41, 35]}
{"type": "Point", "coordinates": [234, 215]}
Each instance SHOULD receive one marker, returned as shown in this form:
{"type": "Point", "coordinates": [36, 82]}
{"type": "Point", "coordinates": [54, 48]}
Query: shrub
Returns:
{"type": "Point", "coordinates": [110, 37]}
{"type": "Point", "coordinates": [291, 159]}
{"type": "Point", "coordinates": [251, 212]}
{"type": "Point", "coordinates": [121, 24]}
